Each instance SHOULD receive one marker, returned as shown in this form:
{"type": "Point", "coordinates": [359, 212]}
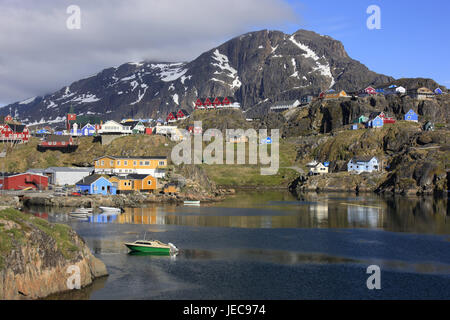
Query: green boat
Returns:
{"type": "Point", "coordinates": [151, 246]}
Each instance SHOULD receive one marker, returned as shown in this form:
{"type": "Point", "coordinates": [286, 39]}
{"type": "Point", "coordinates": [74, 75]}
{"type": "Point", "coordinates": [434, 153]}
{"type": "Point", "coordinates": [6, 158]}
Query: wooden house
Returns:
{"type": "Point", "coordinates": [341, 94]}
{"type": "Point", "coordinates": [411, 116]}
{"type": "Point", "coordinates": [96, 184]}
{"type": "Point", "coordinates": [284, 105]}
{"type": "Point", "coordinates": [438, 91]}
{"type": "Point", "coordinates": [134, 182]}
{"type": "Point", "coordinates": [182, 114]}
{"type": "Point", "coordinates": [15, 133]}
{"type": "Point", "coordinates": [113, 127]}
{"type": "Point", "coordinates": [21, 181]}
{"type": "Point", "coordinates": [361, 119]}
{"type": "Point", "coordinates": [421, 93]}
{"type": "Point", "coordinates": [64, 143]}
{"type": "Point", "coordinates": [199, 104]}
{"type": "Point", "coordinates": [319, 168]}
{"type": "Point", "coordinates": [370, 91]}
{"type": "Point", "coordinates": [363, 164]}
{"type": "Point", "coordinates": [154, 166]}
{"type": "Point", "coordinates": [208, 104]}
{"type": "Point", "coordinates": [88, 130]}
{"type": "Point", "coordinates": [171, 117]}
{"type": "Point", "coordinates": [376, 122]}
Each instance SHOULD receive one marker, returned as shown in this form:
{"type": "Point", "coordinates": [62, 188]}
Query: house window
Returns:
{"type": "Point", "coordinates": [149, 182]}
{"type": "Point", "coordinates": [103, 162]}
{"type": "Point", "coordinates": [97, 162]}
{"type": "Point", "coordinates": [141, 163]}
{"type": "Point", "coordinates": [147, 163]}
{"type": "Point", "coordinates": [111, 163]}
{"type": "Point", "coordinates": [118, 162]}
{"type": "Point", "coordinates": [103, 188]}
{"type": "Point", "coordinates": [135, 163]}
{"type": "Point", "coordinates": [162, 163]}
{"type": "Point", "coordinates": [125, 163]}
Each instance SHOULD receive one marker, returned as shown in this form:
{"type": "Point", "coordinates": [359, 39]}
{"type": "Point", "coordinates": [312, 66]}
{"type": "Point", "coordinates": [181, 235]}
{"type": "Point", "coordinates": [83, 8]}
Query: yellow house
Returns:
{"type": "Point", "coordinates": [336, 95]}
{"type": "Point", "coordinates": [131, 165]}
{"type": "Point", "coordinates": [134, 182]}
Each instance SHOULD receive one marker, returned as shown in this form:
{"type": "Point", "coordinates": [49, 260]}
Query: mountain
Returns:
{"type": "Point", "coordinates": [257, 68]}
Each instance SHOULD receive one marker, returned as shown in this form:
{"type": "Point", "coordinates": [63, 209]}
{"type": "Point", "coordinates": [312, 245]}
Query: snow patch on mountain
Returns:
{"type": "Point", "coordinates": [223, 64]}
{"type": "Point", "coordinates": [28, 101]}
{"type": "Point", "coordinates": [323, 69]}
{"type": "Point", "coordinates": [169, 72]}
{"type": "Point", "coordinates": [85, 98]}
{"type": "Point", "coordinates": [175, 98]}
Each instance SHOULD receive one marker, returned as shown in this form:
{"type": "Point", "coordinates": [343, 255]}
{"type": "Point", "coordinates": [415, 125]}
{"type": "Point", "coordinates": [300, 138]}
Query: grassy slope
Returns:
{"type": "Point", "coordinates": [13, 238]}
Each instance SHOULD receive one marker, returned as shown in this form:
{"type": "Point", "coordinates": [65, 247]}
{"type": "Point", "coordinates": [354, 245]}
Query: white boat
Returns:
{"type": "Point", "coordinates": [192, 203]}
{"type": "Point", "coordinates": [80, 214]}
{"type": "Point", "coordinates": [85, 210]}
{"type": "Point", "coordinates": [110, 209]}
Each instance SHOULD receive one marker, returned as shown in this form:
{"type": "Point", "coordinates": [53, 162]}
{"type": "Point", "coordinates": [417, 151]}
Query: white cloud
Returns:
{"type": "Point", "coordinates": [39, 54]}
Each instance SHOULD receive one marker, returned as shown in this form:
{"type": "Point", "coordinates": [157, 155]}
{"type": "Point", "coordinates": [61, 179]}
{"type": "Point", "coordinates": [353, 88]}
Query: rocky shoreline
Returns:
{"type": "Point", "coordinates": [37, 257]}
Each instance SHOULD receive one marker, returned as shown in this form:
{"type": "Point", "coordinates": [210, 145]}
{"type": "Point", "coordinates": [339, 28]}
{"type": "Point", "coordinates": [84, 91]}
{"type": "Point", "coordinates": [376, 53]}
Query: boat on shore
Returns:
{"type": "Point", "coordinates": [151, 246]}
{"type": "Point", "coordinates": [191, 202]}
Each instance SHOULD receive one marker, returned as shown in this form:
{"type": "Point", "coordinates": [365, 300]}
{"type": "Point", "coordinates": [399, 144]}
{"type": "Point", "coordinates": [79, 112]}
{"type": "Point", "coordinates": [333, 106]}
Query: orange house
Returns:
{"type": "Point", "coordinates": [170, 189]}
{"type": "Point", "coordinates": [134, 182]}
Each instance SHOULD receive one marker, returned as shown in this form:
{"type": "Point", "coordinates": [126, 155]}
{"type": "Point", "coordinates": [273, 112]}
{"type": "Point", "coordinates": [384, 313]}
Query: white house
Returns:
{"type": "Point", "coordinates": [363, 164]}
{"type": "Point", "coordinates": [285, 105]}
{"type": "Point", "coordinates": [113, 127]}
{"type": "Point", "coordinates": [166, 130]}
{"type": "Point", "coordinates": [319, 168]}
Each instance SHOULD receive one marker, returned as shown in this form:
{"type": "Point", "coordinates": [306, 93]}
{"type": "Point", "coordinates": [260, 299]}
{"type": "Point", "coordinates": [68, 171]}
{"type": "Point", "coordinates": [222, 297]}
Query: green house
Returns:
{"type": "Point", "coordinates": [361, 119]}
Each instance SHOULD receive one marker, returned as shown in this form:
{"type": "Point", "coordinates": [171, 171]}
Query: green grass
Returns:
{"type": "Point", "coordinates": [14, 237]}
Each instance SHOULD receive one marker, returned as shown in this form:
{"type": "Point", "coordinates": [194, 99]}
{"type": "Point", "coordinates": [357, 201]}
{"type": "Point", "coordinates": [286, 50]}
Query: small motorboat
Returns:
{"type": "Point", "coordinates": [111, 209]}
{"type": "Point", "coordinates": [191, 202]}
{"type": "Point", "coordinates": [152, 246]}
{"type": "Point", "coordinates": [86, 210]}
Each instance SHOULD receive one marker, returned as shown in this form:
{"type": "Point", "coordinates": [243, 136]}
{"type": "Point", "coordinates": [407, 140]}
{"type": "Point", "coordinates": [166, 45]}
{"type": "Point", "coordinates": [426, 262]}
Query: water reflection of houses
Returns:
{"type": "Point", "coordinates": [365, 216]}
{"type": "Point", "coordinates": [319, 212]}
{"type": "Point", "coordinates": [150, 215]}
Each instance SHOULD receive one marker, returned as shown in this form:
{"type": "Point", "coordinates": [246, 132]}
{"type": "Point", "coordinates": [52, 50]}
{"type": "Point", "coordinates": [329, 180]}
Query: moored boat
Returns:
{"type": "Point", "coordinates": [111, 209]}
{"type": "Point", "coordinates": [191, 202]}
{"type": "Point", "coordinates": [151, 246]}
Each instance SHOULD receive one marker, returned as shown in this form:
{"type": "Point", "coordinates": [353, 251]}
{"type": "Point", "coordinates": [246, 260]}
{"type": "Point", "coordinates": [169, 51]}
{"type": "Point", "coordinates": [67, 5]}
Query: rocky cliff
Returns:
{"type": "Point", "coordinates": [36, 256]}
{"type": "Point", "coordinates": [257, 68]}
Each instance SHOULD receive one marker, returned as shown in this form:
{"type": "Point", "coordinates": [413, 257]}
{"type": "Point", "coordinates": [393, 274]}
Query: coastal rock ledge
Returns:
{"type": "Point", "coordinates": [36, 257]}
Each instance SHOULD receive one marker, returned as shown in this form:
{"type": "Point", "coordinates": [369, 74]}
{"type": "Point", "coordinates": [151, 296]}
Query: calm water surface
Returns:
{"type": "Point", "coordinates": [270, 245]}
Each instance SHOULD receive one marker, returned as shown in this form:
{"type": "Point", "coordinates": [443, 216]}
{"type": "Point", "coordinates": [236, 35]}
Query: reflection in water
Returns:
{"type": "Point", "coordinates": [281, 210]}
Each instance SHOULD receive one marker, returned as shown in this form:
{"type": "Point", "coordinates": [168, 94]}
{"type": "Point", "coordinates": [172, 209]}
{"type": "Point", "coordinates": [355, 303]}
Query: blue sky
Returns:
{"type": "Point", "coordinates": [413, 40]}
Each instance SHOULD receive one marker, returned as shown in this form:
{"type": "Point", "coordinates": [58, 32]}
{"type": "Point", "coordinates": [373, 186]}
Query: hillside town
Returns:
{"type": "Point", "coordinates": [111, 174]}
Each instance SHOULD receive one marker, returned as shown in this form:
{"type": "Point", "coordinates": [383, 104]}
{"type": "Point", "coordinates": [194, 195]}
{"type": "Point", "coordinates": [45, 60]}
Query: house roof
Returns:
{"type": "Point", "coordinates": [185, 112]}
{"type": "Point", "coordinates": [69, 169]}
{"type": "Point", "coordinates": [16, 127]}
{"type": "Point", "coordinates": [363, 159]}
{"type": "Point", "coordinates": [285, 103]}
{"type": "Point", "coordinates": [58, 138]}
{"type": "Point", "coordinates": [128, 157]}
{"type": "Point", "coordinates": [89, 180]}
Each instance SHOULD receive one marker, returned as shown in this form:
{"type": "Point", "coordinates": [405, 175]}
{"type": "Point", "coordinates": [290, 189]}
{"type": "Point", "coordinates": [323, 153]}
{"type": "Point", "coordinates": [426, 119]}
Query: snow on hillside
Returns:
{"type": "Point", "coordinates": [224, 64]}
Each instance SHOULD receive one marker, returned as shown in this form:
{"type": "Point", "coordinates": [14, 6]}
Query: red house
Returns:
{"type": "Point", "coordinates": [20, 181]}
{"type": "Point", "coordinates": [8, 118]}
{"type": "Point", "coordinates": [370, 90]}
{"type": "Point", "coordinates": [208, 104]}
{"type": "Point", "coordinates": [182, 114]}
{"type": "Point", "coordinates": [62, 143]}
{"type": "Point", "coordinates": [149, 131]}
{"type": "Point", "coordinates": [171, 117]}
{"type": "Point", "coordinates": [199, 104]}
{"type": "Point", "coordinates": [217, 102]}
{"type": "Point", "coordinates": [17, 133]}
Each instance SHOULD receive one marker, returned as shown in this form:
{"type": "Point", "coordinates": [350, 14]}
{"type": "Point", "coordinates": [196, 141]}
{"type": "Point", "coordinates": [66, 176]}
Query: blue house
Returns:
{"type": "Point", "coordinates": [411, 116]}
{"type": "Point", "coordinates": [438, 91]}
{"type": "Point", "coordinates": [376, 122]}
{"type": "Point", "coordinates": [88, 130]}
{"type": "Point", "coordinates": [363, 164]}
{"type": "Point", "coordinates": [96, 184]}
